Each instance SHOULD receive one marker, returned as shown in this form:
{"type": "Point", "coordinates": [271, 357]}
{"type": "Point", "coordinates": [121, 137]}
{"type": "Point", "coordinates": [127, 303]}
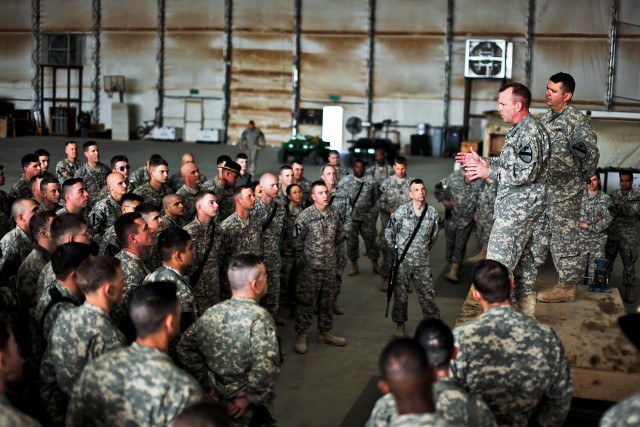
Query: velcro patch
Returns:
{"type": "Point", "coordinates": [526, 154]}
{"type": "Point", "coordinates": [579, 149]}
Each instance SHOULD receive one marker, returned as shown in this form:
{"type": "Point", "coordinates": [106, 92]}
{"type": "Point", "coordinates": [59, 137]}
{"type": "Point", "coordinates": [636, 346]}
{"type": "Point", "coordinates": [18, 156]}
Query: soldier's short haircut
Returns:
{"type": "Point", "coordinates": [402, 358]}
{"type": "Point", "coordinates": [88, 144]}
{"type": "Point", "coordinates": [66, 186]}
{"type": "Point", "coordinates": [19, 206]}
{"type": "Point", "coordinates": [325, 166]}
{"type": "Point", "coordinates": [28, 159]}
{"type": "Point", "coordinates": [171, 240]}
{"type": "Point", "coordinates": [46, 181]}
{"type": "Point", "coordinates": [330, 152]}
{"type": "Point", "coordinates": [242, 156]}
{"type": "Point", "coordinates": [166, 199]}
{"type": "Point", "coordinates": [200, 195]}
{"type": "Point", "coordinates": [146, 208]}
{"type": "Point", "coordinates": [491, 280]}
{"type": "Point", "coordinates": [95, 271]}
{"type": "Point", "coordinates": [38, 222]}
{"type": "Point", "coordinates": [416, 181]}
{"type": "Point", "coordinates": [118, 158]}
{"type": "Point", "coordinates": [624, 173]}
{"type": "Point", "coordinates": [157, 162]}
{"type": "Point", "coordinates": [243, 269]}
{"type": "Point", "coordinates": [34, 179]}
{"type": "Point", "coordinates": [400, 160]}
{"type": "Point", "coordinates": [318, 183]}
{"type": "Point", "coordinates": [68, 257]}
{"type": "Point", "coordinates": [436, 339]}
{"type": "Point", "coordinates": [284, 168]}
{"type": "Point", "coordinates": [5, 333]}
{"type": "Point", "coordinates": [238, 191]}
{"type": "Point", "coordinates": [132, 197]}
{"type": "Point", "coordinates": [41, 152]}
{"type": "Point", "coordinates": [568, 83]}
{"type": "Point", "coordinates": [223, 159]}
{"type": "Point", "coordinates": [290, 187]}
{"type": "Point", "coordinates": [64, 225]}
{"type": "Point", "coordinates": [70, 142]}
{"type": "Point", "coordinates": [519, 91]}
{"type": "Point", "coordinates": [358, 160]}
{"type": "Point", "coordinates": [150, 305]}
{"type": "Point", "coordinates": [297, 162]}
{"type": "Point", "coordinates": [126, 225]}
{"type": "Point", "coordinates": [253, 185]}
{"type": "Point", "coordinates": [203, 414]}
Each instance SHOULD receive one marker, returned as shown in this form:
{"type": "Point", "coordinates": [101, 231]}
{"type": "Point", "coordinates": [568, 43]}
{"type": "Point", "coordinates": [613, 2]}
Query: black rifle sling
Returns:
{"type": "Point", "coordinates": [270, 219]}
{"type": "Point", "coordinates": [195, 278]}
{"type": "Point", "coordinates": [357, 195]}
{"type": "Point", "coordinates": [413, 235]}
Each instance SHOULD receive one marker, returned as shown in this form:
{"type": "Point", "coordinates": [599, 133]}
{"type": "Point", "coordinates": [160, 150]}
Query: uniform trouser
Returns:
{"type": "Point", "coordinates": [457, 238]}
{"type": "Point", "coordinates": [341, 262]}
{"type": "Point", "coordinates": [425, 288]}
{"type": "Point", "coordinates": [483, 230]}
{"type": "Point", "coordinates": [629, 254]}
{"type": "Point", "coordinates": [253, 159]}
{"type": "Point", "coordinates": [512, 239]}
{"type": "Point", "coordinates": [316, 288]}
{"type": "Point", "coordinates": [367, 229]}
{"type": "Point", "coordinates": [271, 301]}
{"type": "Point", "coordinates": [385, 267]}
{"type": "Point", "coordinates": [288, 279]}
{"type": "Point", "coordinates": [592, 248]}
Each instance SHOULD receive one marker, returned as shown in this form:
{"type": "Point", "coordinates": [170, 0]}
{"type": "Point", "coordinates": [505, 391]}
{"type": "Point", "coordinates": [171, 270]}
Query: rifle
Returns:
{"type": "Point", "coordinates": [393, 276]}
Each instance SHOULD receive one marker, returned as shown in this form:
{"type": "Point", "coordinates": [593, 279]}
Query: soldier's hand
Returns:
{"type": "Point", "coordinates": [238, 406]}
{"type": "Point", "coordinates": [211, 394]}
{"type": "Point", "coordinates": [583, 225]}
{"type": "Point", "coordinates": [447, 204]}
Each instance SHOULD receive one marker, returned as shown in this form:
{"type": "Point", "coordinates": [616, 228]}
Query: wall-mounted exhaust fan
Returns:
{"type": "Point", "coordinates": [488, 59]}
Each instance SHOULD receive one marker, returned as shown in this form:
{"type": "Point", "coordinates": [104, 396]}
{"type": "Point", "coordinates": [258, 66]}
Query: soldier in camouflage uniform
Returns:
{"type": "Point", "coordinates": [624, 233]}
{"type": "Point", "coordinates": [380, 169]}
{"type": "Point", "coordinates": [67, 167]}
{"type": "Point", "coordinates": [93, 173]}
{"type": "Point", "coordinates": [304, 183]}
{"type": "Point", "coordinates": [30, 167]}
{"type": "Point", "coordinates": [394, 191]}
{"type": "Point", "coordinates": [76, 198]}
{"type": "Point", "coordinates": [192, 178]}
{"type": "Point", "coordinates": [333, 158]}
{"type": "Point", "coordinates": [107, 210]}
{"type": "Point", "coordinates": [141, 175]}
{"type": "Point", "coordinates": [288, 255]}
{"type": "Point", "coordinates": [521, 172]}
{"type": "Point", "coordinates": [459, 195]}
{"type": "Point", "coordinates": [83, 333]}
{"type": "Point", "coordinates": [573, 161]}
{"type": "Point", "coordinates": [224, 188]}
{"type": "Point", "coordinates": [16, 245]}
{"type": "Point", "coordinates": [416, 265]}
{"type": "Point", "coordinates": [109, 244]}
{"type": "Point", "coordinates": [205, 234]}
{"type": "Point", "coordinates": [105, 394]}
{"type": "Point", "coordinates": [363, 195]}
{"type": "Point", "coordinates": [233, 349]}
{"type": "Point", "coordinates": [245, 177]}
{"type": "Point", "coordinates": [176, 180]}
{"type": "Point", "coordinates": [173, 211]}
{"type": "Point", "coordinates": [152, 215]}
{"type": "Point", "coordinates": [316, 233]}
{"type": "Point", "coordinates": [534, 385]}
{"type": "Point", "coordinates": [50, 189]}
{"type": "Point", "coordinates": [285, 179]}
{"type": "Point", "coordinates": [252, 139]}
{"type": "Point", "coordinates": [156, 188]}
{"type": "Point", "coordinates": [484, 216]}
{"type": "Point", "coordinates": [5, 209]}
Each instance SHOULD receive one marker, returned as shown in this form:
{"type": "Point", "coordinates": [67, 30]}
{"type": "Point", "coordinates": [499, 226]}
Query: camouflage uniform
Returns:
{"type": "Point", "coordinates": [152, 257]}
{"type": "Point", "coordinates": [224, 195]}
{"type": "Point", "coordinates": [94, 179]}
{"type": "Point", "coordinates": [516, 365]}
{"type": "Point", "coordinates": [315, 235]}
{"type": "Point", "coordinates": [15, 246]}
{"type": "Point", "coordinates": [339, 201]}
{"type": "Point", "coordinates": [363, 215]}
{"type": "Point", "coordinates": [394, 192]}
{"type": "Point", "coordinates": [452, 404]}
{"type": "Point", "coordinates": [69, 167]}
{"type": "Point", "coordinates": [241, 180]}
{"type": "Point", "coordinates": [132, 386]}
{"type": "Point", "coordinates": [188, 197]}
{"type": "Point", "coordinates": [520, 172]}
{"type": "Point", "coordinates": [289, 258]}
{"type": "Point", "coordinates": [485, 210]}
{"type": "Point", "coordinates": [565, 185]}
{"type": "Point", "coordinates": [416, 265]}
{"type": "Point", "coordinates": [624, 234]}
{"type": "Point", "coordinates": [207, 290]}
{"type": "Point", "coordinates": [28, 277]}
{"type": "Point", "coordinates": [594, 238]}
{"type": "Point", "coordinates": [252, 139]}
{"type": "Point", "coordinates": [11, 417]}
{"type": "Point", "coordinates": [46, 279]}
{"type": "Point", "coordinates": [176, 181]}
{"type": "Point", "coordinates": [380, 173]}
{"type": "Point", "coordinates": [625, 413]}
{"type": "Point", "coordinates": [134, 273]}
{"type": "Point", "coordinates": [109, 244]}
{"type": "Point", "coordinates": [102, 216]}
{"type": "Point", "coordinates": [424, 419]}
{"type": "Point", "coordinates": [234, 348]}
{"type": "Point", "coordinates": [168, 222]}
{"type": "Point", "coordinates": [20, 189]}
{"type": "Point", "coordinates": [305, 186]}
{"type": "Point", "coordinates": [84, 214]}
{"type": "Point", "coordinates": [188, 307]}
{"type": "Point", "coordinates": [151, 195]}
{"type": "Point", "coordinates": [139, 176]}
{"type": "Point", "coordinates": [459, 221]}
{"type": "Point", "coordinates": [5, 213]}
{"type": "Point", "coordinates": [341, 172]}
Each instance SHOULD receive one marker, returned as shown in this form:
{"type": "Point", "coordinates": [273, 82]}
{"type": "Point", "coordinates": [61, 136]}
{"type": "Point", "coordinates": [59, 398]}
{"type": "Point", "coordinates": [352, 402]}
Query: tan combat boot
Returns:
{"type": "Point", "coordinates": [480, 255]}
{"type": "Point", "coordinates": [629, 296]}
{"type": "Point", "coordinates": [527, 305]}
{"type": "Point", "coordinates": [399, 333]}
{"type": "Point", "coordinates": [326, 337]}
{"type": "Point", "coordinates": [560, 293]}
{"type": "Point", "coordinates": [452, 275]}
{"type": "Point", "coordinates": [375, 267]}
{"type": "Point", "coordinates": [385, 284]}
{"type": "Point", "coordinates": [301, 343]}
{"type": "Point", "coordinates": [354, 268]}
{"type": "Point", "coordinates": [335, 307]}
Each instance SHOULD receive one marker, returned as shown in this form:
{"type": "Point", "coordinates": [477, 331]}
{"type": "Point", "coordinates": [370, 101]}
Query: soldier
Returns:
{"type": "Point", "coordinates": [417, 219]}
{"type": "Point", "coordinates": [363, 195]}
{"type": "Point", "coordinates": [67, 167]}
{"type": "Point", "coordinates": [595, 217]}
{"type": "Point", "coordinates": [83, 333]}
{"type": "Point", "coordinates": [285, 179]}
{"type": "Point", "coordinates": [394, 191]}
{"type": "Point", "coordinates": [93, 173]}
{"type": "Point", "coordinates": [156, 188]}
{"type": "Point", "coordinates": [119, 164]}
{"type": "Point", "coordinates": [34, 188]}
{"type": "Point", "coordinates": [17, 243]}
{"type": "Point", "coordinates": [484, 216]}
{"type": "Point", "coordinates": [192, 179]}
{"type": "Point", "coordinates": [623, 234]}
{"type": "Point", "coordinates": [459, 195]}
{"type": "Point", "coordinates": [521, 172]}
{"type": "Point", "coordinates": [176, 252]}
{"type": "Point", "coordinates": [107, 210]}
{"type": "Point", "coordinates": [244, 178]}
{"type": "Point", "coordinates": [333, 158]}
{"type": "Point", "coordinates": [151, 214]}
{"type": "Point", "coordinates": [176, 180]}
{"type": "Point", "coordinates": [141, 175]}
{"type": "Point", "coordinates": [30, 168]}
{"type": "Point", "coordinates": [252, 139]}
{"type": "Point", "coordinates": [270, 217]}
{"type": "Point", "coordinates": [289, 257]}
{"type": "Point", "coordinates": [573, 161]}
{"type": "Point", "coordinates": [233, 349]}
{"type": "Point", "coordinates": [224, 188]}
{"type": "Point", "coordinates": [43, 157]}
{"type": "Point", "coordinates": [207, 240]}
{"type": "Point", "coordinates": [316, 233]}
{"type": "Point", "coordinates": [50, 189]}
{"type": "Point", "coordinates": [502, 338]}
{"type": "Point", "coordinates": [380, 169]}
{"type": "Point", "coordinates": [5, 209]}
{"type": "Point", "coordinates": [304, 183]}
{"type": "Point", "coordinates": [109, 244]}
{"type": "Point", "coordinates": [105, 394]}
{"type": "Point", "coordinates": [173, 211]}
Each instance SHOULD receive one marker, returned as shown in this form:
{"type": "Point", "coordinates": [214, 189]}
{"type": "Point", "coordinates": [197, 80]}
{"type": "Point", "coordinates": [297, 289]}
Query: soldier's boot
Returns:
{"type": "Point", "coordinates": [480, 255]}
{"type": "Point", "coordinates": [301, 343]}
{"type": "Point", "coordinates": [385, 284]}
{"type": "Point", "coordinates": [629, 296]}
{"type": "Point", "coordinates": [527, 305]}
{"type": "Point", "coordinates": [375, 267]}
{"type": "Point", "coordinates": [335, 307]}
{"type": "Point", "coordinates": [326, 337]}
{"type": "Point", "coordinates": [559, 293]}
{"type": "Point", "coordinates": [280, 320]}
{"type": "Point", "coordinates": [354, 268]}
{"type": "Point", "coordinates": [399, 332]}
{"type": "Point", "coordinates": [452, 275]}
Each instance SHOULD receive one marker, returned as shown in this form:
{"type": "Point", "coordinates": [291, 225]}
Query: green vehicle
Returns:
{"type": "Point", "coordinates": [301, 147]}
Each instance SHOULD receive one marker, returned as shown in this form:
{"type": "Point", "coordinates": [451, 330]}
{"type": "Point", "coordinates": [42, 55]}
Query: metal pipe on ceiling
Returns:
{"type": "Point", "coordinates": [95, 54]}
{"type": "Point", "coordinates": [160, 62]}
{"type": "Point", "coordinates": [35, 54]}
{"type": "Point", "coordinates": [448, 43]}
{"type": "Point", "coordinates": [613, 43]}
{"type": "Point", "coordinates": [528, 42]}
{"type": "Point", "coordinates": [227, 57]}
{"type": "Point", "coordinates": [371, 59]}
{"type": "Point", "coordinates": [297, 21]}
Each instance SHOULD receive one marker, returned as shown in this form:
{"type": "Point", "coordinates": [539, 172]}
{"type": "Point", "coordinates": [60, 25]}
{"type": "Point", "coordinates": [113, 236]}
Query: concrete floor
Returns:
{"type": "Point", "coordinates": [329, 386]}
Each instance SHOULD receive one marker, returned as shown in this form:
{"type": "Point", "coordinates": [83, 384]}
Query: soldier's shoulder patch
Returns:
{"type": "Point", "coordinates": [526, 153]}
{"type": "Point", "coordinates": [579, 149]}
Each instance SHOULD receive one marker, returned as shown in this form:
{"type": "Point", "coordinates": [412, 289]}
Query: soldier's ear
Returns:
{"type": "Point", "coordinates": [476, 294]}
{"type": "Point", "coordinates": [383, 386]}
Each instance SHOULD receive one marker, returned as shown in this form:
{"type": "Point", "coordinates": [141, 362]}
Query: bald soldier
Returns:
{"type": "Point", "coordinates": [16, 244]}
{"type": "Point", "coordinates": [192, 179]}
{"type": "Point", "coordinates": [172, 211]}
{"type": "Point", "coordinates": [107, 210]}
{"type": "Point", "coordinates": [176, 181]}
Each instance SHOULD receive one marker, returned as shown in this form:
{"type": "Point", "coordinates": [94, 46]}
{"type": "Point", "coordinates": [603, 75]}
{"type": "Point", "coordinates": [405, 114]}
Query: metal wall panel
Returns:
{"type": "Point", "coordinates": [589, 18]}
{"type": "Point", "coordinates": [15, 82]}
{"type": "Point", "coordinates": [15, 15]}
{"type": "Point", "coordinates": [68, 16]}
{"type": "Point", "coordinates": [411, 16]}
{"type": "Point", "coordinates": [490, 17]}
{"type": "Point", "coordinates": [128, 15]}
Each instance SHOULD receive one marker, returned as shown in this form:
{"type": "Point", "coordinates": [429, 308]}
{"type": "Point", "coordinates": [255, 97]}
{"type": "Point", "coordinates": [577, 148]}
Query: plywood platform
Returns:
{"type": "Point", "coordinates": [604, 364]}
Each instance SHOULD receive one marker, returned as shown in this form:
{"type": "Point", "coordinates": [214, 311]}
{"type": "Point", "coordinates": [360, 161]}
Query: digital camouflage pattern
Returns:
{"type": "Point", "coordinates": [289, 257]}
{"type": "Point", "coordinates": [393, 192]}
{"type": "Point", "coordinates": [485, 210]}
{"type": "Point", "coordinates": [28, 274]}
{"type": "Point", "coordinates": [66, 169]}
{"type": "Point", "coordinates": [151, 195]}
{"type": "Point", "coordinates": [252, 140]}
{"type": "Point", "coordinates": [188, 197]}
{"type": "Point", "coordinates": [139, 176]}
{"type": "Point", "coordinates": [224, 196]}
{"type": "Point", "coordinates": [46, 279]}
{"type": "Point", "coordinates": [20, 189]}
{"type": "Point", "coordinates": [414, 420]}
{"type": "Point", "coordinates": [109, 244]}
{"type": "Point", "coordinates": [94, 179]}
{"type": "Point", "coordinates": [168, 222]}
{"type": "Point", "coordinates": [103, 215]}
{"type": "Point", "coordinates": [363, 214]}
{"type": "Point", "coordinates": [134, 272]}
{"type": "Point", "coordinates": [11, 417]}
{"type": "Point", "coordinates": [15, 246]}
{"type": "Point", "coordinates": [625, 413]}
{"type": "Point", "coordinates": [380, 173]}
{"type": "Point", "coordinates": [596, 213]}
{"type": "Point", "coordinates": [207, 290]}
{"type": "Point", "coordinates": [493, 346]}
{"type": "Point", "coordinates": [340, 204]}
{"type": "Point", "coordinates": [624, 234]}
{"type": "Point", "coordinates": [188, 308]}
{"type": "Point", "coordinates": [84, 214]}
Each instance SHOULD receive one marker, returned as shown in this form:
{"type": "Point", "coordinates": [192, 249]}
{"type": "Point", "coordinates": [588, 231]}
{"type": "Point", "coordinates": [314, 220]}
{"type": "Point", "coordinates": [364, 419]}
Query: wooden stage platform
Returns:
{"type": "Point", "coordinates": [604, 364]}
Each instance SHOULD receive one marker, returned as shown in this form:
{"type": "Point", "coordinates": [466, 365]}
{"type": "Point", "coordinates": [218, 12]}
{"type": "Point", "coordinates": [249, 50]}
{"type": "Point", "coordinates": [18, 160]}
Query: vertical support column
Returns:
{"type": "Point", "coordinates": [448, 43]}
{"type": "Point", "coordinates": [528, 42]}
{"type": "Point", "coordinates": [95, 85]}
{"type": "Point", "coordinates": [35, 57]}
{"type": "Point", "coordinates": [228, 50]}
{"type": "Point", "coordinates": [297, 24]}
{"type": "Point", "coordinates": [160, 63]}
{"type": "Point", "coordinates": [371, 59]}
{"type": "Point", "coordinates": [613, 43]}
